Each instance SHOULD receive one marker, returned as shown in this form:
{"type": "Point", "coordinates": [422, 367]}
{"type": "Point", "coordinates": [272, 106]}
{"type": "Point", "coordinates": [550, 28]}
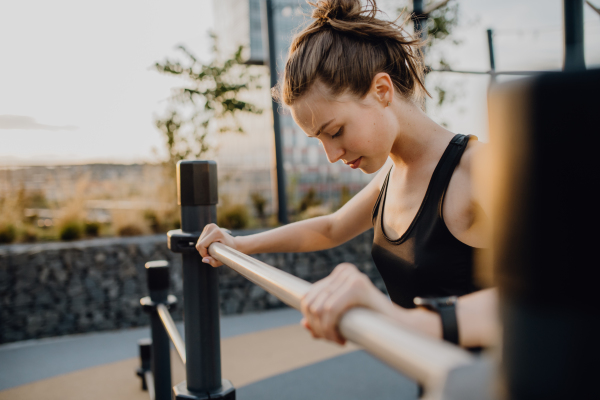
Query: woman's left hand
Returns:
{"type": "Point", "coordinates": [329, 298]}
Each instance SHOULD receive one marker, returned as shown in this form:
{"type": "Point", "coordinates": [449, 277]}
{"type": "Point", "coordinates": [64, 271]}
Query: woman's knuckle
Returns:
{"type": "Point", "coordinates": [342, 267]}
{"type": "Point", "coordinates": [357, 283]}
{"type": "Point", "coordinates": [304, 306]}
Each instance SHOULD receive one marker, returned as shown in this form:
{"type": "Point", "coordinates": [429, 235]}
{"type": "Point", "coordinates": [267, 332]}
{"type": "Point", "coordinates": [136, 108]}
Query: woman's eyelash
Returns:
{"type": "Point", "coordinates": [338, 133]}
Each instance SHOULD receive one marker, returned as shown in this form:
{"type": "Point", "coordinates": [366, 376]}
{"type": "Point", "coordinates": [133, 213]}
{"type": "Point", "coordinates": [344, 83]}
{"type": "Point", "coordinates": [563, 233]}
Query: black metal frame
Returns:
{"type": "Point", "coordinates": [197, 196]}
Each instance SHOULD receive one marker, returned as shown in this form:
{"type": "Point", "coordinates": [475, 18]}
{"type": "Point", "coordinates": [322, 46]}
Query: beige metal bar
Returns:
{"type": "Point", "coordinates": [150, 384]}
{"type": "Point", "coordinates": [165, 316]}
{"type": "Point", "coordinates": [422, 358]}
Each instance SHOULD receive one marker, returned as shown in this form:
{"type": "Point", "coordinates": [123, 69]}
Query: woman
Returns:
{"type": "Point", "coordinates": [355, 82]}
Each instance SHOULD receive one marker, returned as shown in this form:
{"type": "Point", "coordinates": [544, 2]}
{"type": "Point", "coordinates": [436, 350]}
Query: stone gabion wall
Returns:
{"type": "Point", "coordinates": [55, 289]}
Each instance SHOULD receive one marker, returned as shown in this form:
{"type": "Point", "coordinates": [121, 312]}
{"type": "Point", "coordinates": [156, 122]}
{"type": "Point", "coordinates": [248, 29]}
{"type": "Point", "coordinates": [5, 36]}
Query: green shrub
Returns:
{"type": "Point", "coordinates": [8, 233]}
{"type": "Point", "coordinates": [92, 229]}
{"type": "Point", "coordinates": [129, 230]}
{"type": "Point", "coordinates": [345, 196]}
{"type": "Point", "coordinates": [310, 199]}
{"type": "Point", "coordinates": [70, 230]}
{"type": "Point", "coordinates": [233, 216]}
{"type": "Point", "coordinates": [259, 203]}
{"type": "Point", "coordinates": [152, 220]}
{"type": "Point", "coordinates": [29, 235]}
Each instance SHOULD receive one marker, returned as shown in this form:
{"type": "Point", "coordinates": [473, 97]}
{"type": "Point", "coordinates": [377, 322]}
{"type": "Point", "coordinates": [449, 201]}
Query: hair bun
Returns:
{"type": "Point", "coordinates": [336, 9]}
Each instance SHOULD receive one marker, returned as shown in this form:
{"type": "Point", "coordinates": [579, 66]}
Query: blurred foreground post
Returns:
{"type": "Point", "coordinates": [197, 195]}
{"type": "Point", "coordinates": [545, 242]}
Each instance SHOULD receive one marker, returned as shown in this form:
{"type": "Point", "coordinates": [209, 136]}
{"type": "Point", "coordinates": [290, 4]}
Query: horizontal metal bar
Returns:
{"type": "Point", "coordinates": [167, 321]}
{"type": "Point", "coordinates": [523, 73]}
{"type": "Point", "coordinates": [425, 359]}
{"type": "Point", "coordinates": [150, 383]}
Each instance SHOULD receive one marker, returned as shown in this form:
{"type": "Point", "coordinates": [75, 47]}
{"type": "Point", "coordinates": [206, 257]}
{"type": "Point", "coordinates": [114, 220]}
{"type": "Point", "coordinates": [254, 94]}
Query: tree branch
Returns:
{"type": "Point", "coordinates": [593, 7]}
{"type": "Point", "coordinates": [434, 7]}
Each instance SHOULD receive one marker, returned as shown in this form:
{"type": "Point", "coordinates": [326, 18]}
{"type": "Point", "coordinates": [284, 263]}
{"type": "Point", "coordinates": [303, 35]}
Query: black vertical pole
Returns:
{"type": "Point", "coordinates": [198, 197]}
{"type": "Point", "coordinates": [490, 36]}
{"type": "Point", "coordinates": [145, 351]}
{"type": "Point", "coordinates": [271, 53]}
{"type": "Point", "coordinates": [573, 26]}
{"type": "Point", "coordinates": [157, 273]}
{"type": "Point", "coordinates": [419, 19]}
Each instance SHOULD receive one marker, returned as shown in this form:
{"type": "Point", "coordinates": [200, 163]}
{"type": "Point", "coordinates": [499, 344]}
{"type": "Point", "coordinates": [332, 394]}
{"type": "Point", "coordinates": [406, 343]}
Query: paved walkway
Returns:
{"type": "Point", "coordinates": [266, 356]}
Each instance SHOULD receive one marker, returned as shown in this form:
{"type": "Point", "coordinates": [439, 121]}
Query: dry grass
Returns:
{"type": "Point", "coordinates": [135, 201]}
{"type": "Point", "coordinates": [128, 223]}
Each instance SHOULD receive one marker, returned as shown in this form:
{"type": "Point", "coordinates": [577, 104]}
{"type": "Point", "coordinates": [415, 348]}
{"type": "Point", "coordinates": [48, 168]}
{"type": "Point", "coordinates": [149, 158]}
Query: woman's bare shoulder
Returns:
{"type": "Point", "coordinates": [461, 196]}
{"type": "Point", "coordinates": [475, 149]}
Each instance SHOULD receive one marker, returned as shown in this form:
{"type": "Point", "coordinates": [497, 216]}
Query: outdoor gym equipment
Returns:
{"type": "Point", "coordinates": [424, 359]}
{"type": "Point", "coordinates": [545, 204]}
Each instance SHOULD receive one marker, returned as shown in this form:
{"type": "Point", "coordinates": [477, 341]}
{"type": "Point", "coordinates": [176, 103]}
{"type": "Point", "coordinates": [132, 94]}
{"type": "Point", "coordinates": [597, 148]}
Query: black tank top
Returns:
{"type": "Point", "coordinates": [427, 260]}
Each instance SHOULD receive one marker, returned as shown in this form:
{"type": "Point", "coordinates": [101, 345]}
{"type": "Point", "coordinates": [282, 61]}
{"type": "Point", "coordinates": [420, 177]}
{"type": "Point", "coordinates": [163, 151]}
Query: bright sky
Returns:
{"type": "Point", "coordinates": [87, 65]}
{"type": "Point", "coordinates": [77, 74]}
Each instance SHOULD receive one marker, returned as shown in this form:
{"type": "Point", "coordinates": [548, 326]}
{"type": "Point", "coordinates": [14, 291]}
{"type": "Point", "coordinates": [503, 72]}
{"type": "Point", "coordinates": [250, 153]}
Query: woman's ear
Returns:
{"type": "Point", "coordinates": [383, 89]}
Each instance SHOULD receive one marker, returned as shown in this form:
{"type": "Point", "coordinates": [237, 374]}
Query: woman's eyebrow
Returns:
{"type": "Point", "coordinates": [318, 131]}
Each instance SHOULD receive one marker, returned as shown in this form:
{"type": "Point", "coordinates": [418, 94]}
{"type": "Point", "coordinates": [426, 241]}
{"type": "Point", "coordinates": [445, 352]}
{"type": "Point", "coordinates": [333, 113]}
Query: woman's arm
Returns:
{"type": "Point", "coordinates": [347, 287]}
{"type": "Point", "coordinates": [310, 235]}
{"type": "Point", "coordinates": [476, 314]}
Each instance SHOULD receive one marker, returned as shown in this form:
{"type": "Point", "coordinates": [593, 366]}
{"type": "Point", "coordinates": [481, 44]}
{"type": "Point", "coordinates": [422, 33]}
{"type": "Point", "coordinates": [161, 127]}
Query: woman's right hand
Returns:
{"type": "Point", "coordinates": [212, 233]}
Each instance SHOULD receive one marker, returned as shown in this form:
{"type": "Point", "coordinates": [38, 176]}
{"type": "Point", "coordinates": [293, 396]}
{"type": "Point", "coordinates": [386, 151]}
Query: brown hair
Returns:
{"type": "Point", "coordinates": [345, 47]}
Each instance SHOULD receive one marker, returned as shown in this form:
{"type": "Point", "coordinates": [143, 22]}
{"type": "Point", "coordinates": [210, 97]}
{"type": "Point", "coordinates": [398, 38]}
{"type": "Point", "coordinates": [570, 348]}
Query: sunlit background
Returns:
{"type": "Point", "coordinates": [92, 122]}
{"type": "Point", "coordinates": [79, 72]}
{"type": "Point", "coordinates": [79, 87]}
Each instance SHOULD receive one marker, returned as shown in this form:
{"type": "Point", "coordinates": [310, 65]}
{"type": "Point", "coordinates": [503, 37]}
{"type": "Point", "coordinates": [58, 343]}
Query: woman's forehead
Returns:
{"type": "Point", "coordinates": [314, 109]}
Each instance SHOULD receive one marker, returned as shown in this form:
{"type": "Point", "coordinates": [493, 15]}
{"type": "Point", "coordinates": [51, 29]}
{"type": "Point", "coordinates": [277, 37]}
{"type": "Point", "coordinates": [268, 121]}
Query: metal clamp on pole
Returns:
{"type": "Point", "coordinates": [157, 273]}
{"type": "Point", "coordinates": [197, 195]}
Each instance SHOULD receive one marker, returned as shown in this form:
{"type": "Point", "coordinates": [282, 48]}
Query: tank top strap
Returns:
{"type": "Point", "coordinates": [382, 194]}
{"type": "Point", "coordinates": [445, 168]}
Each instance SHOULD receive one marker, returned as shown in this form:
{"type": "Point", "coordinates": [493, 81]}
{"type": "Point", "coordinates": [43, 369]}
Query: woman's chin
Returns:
{"type": "Point", "coordinates": [368, 167]}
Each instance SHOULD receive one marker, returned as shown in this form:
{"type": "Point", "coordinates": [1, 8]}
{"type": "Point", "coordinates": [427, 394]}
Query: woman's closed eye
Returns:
{"type": "Point", "coordinates": [338, 133]}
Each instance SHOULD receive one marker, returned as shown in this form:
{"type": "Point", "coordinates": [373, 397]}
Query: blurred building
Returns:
{"type": "Point", "coordinates": [305, 162]}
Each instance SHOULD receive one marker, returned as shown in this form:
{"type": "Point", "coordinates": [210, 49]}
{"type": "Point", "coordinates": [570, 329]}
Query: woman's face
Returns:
{"type": "Point", "coordinates": [360, 132]}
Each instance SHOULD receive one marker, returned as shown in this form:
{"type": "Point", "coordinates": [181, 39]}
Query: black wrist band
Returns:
{"type": "Point", "coordinates": [446, 308]}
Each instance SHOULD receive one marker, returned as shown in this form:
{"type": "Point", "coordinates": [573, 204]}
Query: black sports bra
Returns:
{"type": "Point", "coordinates": [427, 260]}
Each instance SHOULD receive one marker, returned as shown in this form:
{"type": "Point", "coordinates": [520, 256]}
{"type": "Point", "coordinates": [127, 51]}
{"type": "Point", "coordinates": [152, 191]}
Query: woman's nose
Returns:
{"type": "Point", "coordinates": [334, 152]}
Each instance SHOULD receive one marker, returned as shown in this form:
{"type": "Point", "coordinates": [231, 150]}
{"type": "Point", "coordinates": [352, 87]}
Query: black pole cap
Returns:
{"type": "Point", "coordinates": [197, 183]}
{"type": "Point", "coordinates": [157, 274]}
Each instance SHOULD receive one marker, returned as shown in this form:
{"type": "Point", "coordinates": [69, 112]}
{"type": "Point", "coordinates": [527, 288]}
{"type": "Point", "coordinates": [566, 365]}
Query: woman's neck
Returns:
{"type": "Point", "coordinates": [419, 140]}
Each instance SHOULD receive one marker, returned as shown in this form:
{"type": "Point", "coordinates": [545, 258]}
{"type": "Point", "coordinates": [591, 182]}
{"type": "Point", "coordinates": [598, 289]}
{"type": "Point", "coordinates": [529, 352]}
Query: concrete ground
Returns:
{"type": "Point", "coordinates": [265, 355]}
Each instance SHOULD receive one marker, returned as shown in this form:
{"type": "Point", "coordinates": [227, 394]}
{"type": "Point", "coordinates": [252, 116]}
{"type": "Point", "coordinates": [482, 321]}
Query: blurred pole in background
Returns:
{"type": "Point", "coordinates": [490, 35]}
{"type": "Point", "coordinates": [573, 25]}
{"type": "Point", "coordinates": [270, 53]}
{"type": "Point", "coordinates": [419, 19]}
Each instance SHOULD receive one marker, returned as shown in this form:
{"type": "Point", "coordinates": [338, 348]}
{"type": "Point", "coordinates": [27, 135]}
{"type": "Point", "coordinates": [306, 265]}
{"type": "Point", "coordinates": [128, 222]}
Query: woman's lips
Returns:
{"type": "Point", "coordinates": [354, 164]}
